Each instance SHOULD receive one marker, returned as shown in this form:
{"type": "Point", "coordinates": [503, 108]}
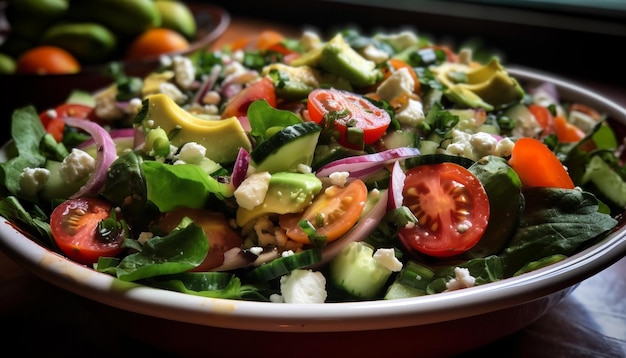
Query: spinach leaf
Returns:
{"type": "Point", "coordinates": [180, 251]}
{"type": "Point", "coordinates": [262, 117]}
{"type": "Point", "coordinates": [205, 284]}
{"type": "Point", "coordinates": [35, 223]}
{"type": "Point", "coordinates": [555, 221]}
{"type": "Point", "coordinates": [172, 186]}
{"type": "Point", "coordinates": [27, 133]}
{"type": "Point", "coordinates": [483, 269]}
{"type": "Point", "coordinates": [125, 187]}
{"type": "Point", "coordinates": [506, 202]}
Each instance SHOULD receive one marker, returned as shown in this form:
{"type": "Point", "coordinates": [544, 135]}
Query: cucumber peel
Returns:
{"type": "Point", "coordinates": [287, 149]}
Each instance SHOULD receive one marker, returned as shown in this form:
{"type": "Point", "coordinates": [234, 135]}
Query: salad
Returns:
{"type": "Point", "coordinates": [312, 170]}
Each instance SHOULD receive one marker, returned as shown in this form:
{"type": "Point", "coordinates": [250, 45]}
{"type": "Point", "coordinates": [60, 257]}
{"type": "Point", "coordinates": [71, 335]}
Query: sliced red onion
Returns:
{"type": "Point", "coordinates": [396, 184]}
{"type": "Point", "coordinates": [230, 90]}
{"type": "Point", "coordinates": [139, 137]}
{"type": "Point", "coordinates": [106, 154]}
{"type": "Point", "coordinates": [546, 91]}
{"type": "Point", "coordinates": [235, 83]}
{"type": "Point", "coordinates": [235, 258]}
{"type": "Point", "coordinates": [240, 170]}
{"type": "Point", "coordinates": [208, 84]}
{"type": "Point", "coordinates": [115, 134]}
{"type": "Point", "coordinates": [245, 123]}
{"type": "Point", "coordinates": [367, 163]}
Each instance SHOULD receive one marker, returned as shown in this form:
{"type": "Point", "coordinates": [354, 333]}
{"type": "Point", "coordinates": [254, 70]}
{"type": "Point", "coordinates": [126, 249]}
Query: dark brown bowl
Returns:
{"type": "Point", "coordinates": [45, 91]}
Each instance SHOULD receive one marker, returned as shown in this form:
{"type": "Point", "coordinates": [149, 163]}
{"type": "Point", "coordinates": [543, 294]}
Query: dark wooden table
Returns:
{"type": "Point", "coordinates": [40, 319]}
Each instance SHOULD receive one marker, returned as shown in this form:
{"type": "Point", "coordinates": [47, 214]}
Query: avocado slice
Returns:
{"type": "Point", "coordinates": [339, 58]}
{"type": "Point", "coordinates": [488, 86]}
{"type": "Point", "coordinates": [222, 138]}
{"type": "Point", "coordinates": [287, 193]}
{"type": "Point", "coordinates": [295, 83]}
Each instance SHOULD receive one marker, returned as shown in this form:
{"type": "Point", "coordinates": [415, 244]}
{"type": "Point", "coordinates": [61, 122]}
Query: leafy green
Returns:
{"type": "Point", "coordinates": [125, 187]}
{"type": "Point", "coordinates": [172, 186]}
{"type": "Point", "coordinates": [438, 122]}
{"type": "Point", "coordinates": [205, 284]}
{"type": "Point", "coordinates": [35, 222]}
{"type": "Point", "coordinates": [180, 251]}
{"type": "Point", "coordinates": [483, 269]}
{"type": "Point", "coordinates": [263, 117]}
{"type": "Point", "coordinates": [27, 133]}
{"type": "Point", "coordinates": [555, 221]}
{"type": "Point", "coordinates": [499, 181]}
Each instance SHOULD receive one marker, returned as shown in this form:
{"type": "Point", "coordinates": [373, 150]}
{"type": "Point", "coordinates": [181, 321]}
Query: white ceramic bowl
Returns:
{"type": "Point", "coordinates": [435, 325]}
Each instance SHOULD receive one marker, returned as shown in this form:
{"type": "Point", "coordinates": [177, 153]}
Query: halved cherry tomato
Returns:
{"type": "Point", "coordinates": [268, 38]}
{"type": "Point", "coordinates": [348, 110]}
{"type": "Point", "coordinates": [451, 206]}
{"type": "Point", "coordinates": [239, 44]}
{"type": "Point", "coordinates": [74, 226]}
{"type": "Point", "coordinates": [538, 166]}
{"type": "Point", "coordinates": [262, 89]}
{"type": "Point", "coordinates": [53, 120]}
{"type": "Point", "coordinates": [219, 233]}
{"type": "Point", "coordinates": [567, 132]}
{"type": "Point", "coordinates": [332, 213]}
{"type": "Point", "coordinates": [543, 117]}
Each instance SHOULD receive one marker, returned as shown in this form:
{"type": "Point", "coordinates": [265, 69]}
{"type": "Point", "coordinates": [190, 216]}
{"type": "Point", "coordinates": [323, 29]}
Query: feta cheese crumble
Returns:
{"type": "Point", "coordinates": [462, 279]}
{"type": "Point", "coordinates": [192, 153]}
{"type": "Point", "coordinates": [303, 286]}
{"type": "Point", "coordinates": [398, 84]}
{"type": "Point", "coordinates": [387, 258]}
{"type": "Point", "coordinates": [252, 190]}
{"type": "Point", "coordinates": [77, 165]}
{"type": "Point", "coordinates": [32, 180]}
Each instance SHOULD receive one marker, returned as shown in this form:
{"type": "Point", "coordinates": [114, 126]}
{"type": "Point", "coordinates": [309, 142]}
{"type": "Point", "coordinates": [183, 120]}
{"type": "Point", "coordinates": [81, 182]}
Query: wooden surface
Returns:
{"type": "Point", "coordinates": [40, 319]}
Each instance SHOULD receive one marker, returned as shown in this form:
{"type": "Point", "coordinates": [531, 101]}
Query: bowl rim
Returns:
{"type": "Point", "coordinates": [331, 317]}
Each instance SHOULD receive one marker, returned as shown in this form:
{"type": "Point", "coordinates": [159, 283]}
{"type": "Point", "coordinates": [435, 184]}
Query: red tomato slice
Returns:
{"type": "Point", "coordinates": [54, 123]}
{"type": "Point", "coordinates": [349, 110]}
{"type": "Point", "coordinates": [332, 213]}
{"type": "Point", "coordinates": [543, 117]}
{"type": "Point", "coordinates": [219, 233]}
{"type": "Point", "coordinates": [451, 206]}
{"type": "Point", "coordinates": [74, 226]}
{"type": "Point", "coordinates": [567, 132]}
{"type": "Point", "coordinates": [238, 105]}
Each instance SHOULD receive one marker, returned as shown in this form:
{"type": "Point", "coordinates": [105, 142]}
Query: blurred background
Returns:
{"type": "Point", "coordinates": [573, 37]}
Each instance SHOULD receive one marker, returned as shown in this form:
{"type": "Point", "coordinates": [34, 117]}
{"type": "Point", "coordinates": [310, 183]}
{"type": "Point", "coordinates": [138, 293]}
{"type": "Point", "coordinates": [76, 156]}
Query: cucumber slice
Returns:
{"type": "Point", "coordinates": [81, 97]}
{"type": "Point", "coordinates": [606, 180]}
{"type": "Point", "coordinates": [56, 187]}
{"type": "Point", "coordinates": [399, 290]}
{"type": "Point", "coordinates": [287, 149]}
{"type": "Point", "coordinates": [356, 273]}
{"type": "Point", "coordinates": [327, 153]}
{"type": "Point", "coordinates": [284, 265]}
{"type": "Point", "coordinates": [400, 138]}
